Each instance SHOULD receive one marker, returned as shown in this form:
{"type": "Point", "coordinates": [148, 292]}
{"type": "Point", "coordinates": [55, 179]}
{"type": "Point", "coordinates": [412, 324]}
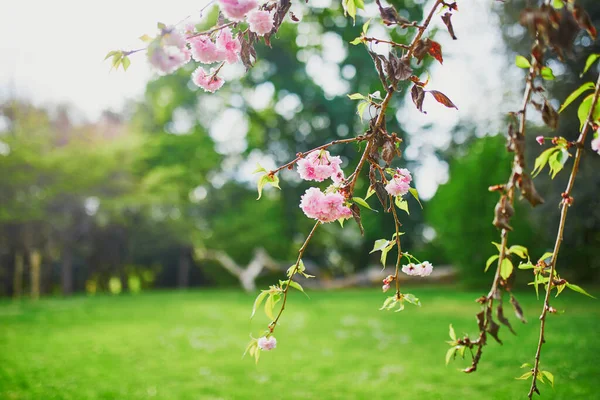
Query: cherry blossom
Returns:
{"type": "Point", "coordinates": [267, 343]}
{"type": "Point", "coordinates": [260, 22]}
{"type": "Point", "coordinates": [320, 165]}
{"type": "Point", "coordinates": [325, 207]}
{"type": "Point", "coordinates": [236, 10]}
{"type": "Point", "coordinates": [410, 269]}
{"type": "Point", "coordinates": [425, 268]}
{"type": "Point", "coordinates": [385, 288]}
{"type": "Point", "coordinates": [205, 50]}
{"type": "Point", "coordinates": [400, 183]}
{"type": "Point", "coordinates": [540, 140]}
{"type": "Point", "coordinates": [228, 46]}
{"type": "Point", "coordinates": [596, 143]}
{"type": "Point", "coordinates": [168, 59]}
{"type": "Point", "coordinates": [209, 82]}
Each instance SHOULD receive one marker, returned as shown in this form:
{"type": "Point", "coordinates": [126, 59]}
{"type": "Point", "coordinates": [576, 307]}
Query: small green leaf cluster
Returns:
{"type": "Point", "coordinates": [267, 177]}
{"type": "Point", "coordinates": [457, 346]}
{"type": "Point", "coordinates": [540, 374]}
{"type": "Point", "coordinates": [556, 158]}
{"type": "Point", "coordinates": [541, 272]}
{"type": "Point", "coordinates": [350, 7]}
{"type": "Point", "coordinates": [397, 301]}
{"type": "Point", "coordinates": [365, 101]}
{"type": "Point", "coordinates": [507, 268]}
{"type": "Point", "coordinates": [385, 246]}
{"type": "Point", "coordinates": [362, 38]}
{"type": "Point", "coordinates": [119, 59]}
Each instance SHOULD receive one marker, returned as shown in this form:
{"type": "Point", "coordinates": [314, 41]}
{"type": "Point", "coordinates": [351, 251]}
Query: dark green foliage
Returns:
{"type": "Point", "coordinates": [462, 211]}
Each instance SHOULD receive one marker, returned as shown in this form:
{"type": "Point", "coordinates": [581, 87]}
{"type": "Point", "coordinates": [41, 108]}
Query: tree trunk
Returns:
{"type": "Point", "coordinates": [18, 277]}
{"type": "Point", "coordinates": [183, 269]}
{"type": "Point", "coordinates": [66, 273]}
{"type": "Point", "coordinates": [35, 266]}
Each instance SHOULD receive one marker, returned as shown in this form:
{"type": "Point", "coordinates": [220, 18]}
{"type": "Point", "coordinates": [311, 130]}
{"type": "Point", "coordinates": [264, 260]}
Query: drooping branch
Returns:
{"type": "Point", "coordinates": [566, 202]}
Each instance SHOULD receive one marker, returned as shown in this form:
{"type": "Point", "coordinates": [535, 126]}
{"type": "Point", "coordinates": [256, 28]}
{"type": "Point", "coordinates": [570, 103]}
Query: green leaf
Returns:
{"type": "Point", "coordinates": [360, 4]}
{"type": "Point", "coordinates": [349, 9]}
{"type": "Point", "coordinates": [526, 365]}
{"type": "Point", "coordinates": [384, 253]}
{"type": "Point", "coordinates": [259, 168]}
{"type": "Point", "coordinates": [557, 161]}
{"type": "Point", "coordinates": [506, 268]}
{"type": "Point", "coordinates": [365, 27]}
{"type": "Point", "coordinates": [522, 62]}
{"type": "Point", "coordinates": [356, 96]}
{"type": "Point", "coordinates": [272, 180]}
{"type": "Point", "coordinates": [358, 40]}
{"type": "Point", "coordinates": [549, 376]}
{"type": "Point", "coordinates": [370, 192]}
{"type": "Point", "coordinates": [296, 286]}
{"type": "Point", "coordinates": [576, 93]}
{"type": "Point", "coordinates": [362, 202]}
{"type": "Point", "coordinates": [126, 63]}
{"type": "Point", "coordinates": [360, 109]}
{"type": "Point", "coordinates": [110, 54]}
{"type": "Point", "coordinates": [161, 26]}
{"type": "Point", "coordinates": [452, 333]}
{"type": "Point", "coordinates": [547, 74]}
{"type": "Point", "coordinates": [558, 4]}
{"type": "Point", "coordinates": [526, 265]}
{"type": "Point", "coordinates": [145, 38]}
{"type": "Point", "coordinates": [589, 62]}
{"type": "Point", "coordinates": [269, 306]}
{"type": "Point", "coordinates": [545, 255]}
{"type": "Point", "coordinates": [498, 246]}
{"type": "Point", "coordinates": [402, 204]}
{"type": "Point", "coordinates": [389, 301]}
{"type": "Point", "coordinates": [542, 160]}
{"type": "Point", "coordinates": [579, 289]}
{"type": "Point", "coordinates": [490, 261]}
{"type": "Point", "coordinates": [259, 299]}
{"type": "Point", "coordinates": [380, 244]}
{"type": "Point", "coordinates": [415, 194]}
{"type": "Point", "coordinates": [450, 353]}
{"type": "Point", "coordinates": [584, 110]}
{"type": "Point", "coordinates": [521, 251]}
{"type": "Point", "coordinates": [526, 375]}
{"type": "Point", "coordinates": [412, 299]}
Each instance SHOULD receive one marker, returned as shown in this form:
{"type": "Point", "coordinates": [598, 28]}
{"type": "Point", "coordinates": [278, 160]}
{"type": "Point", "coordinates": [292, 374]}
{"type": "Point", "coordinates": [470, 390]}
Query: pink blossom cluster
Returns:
{"type": "Point", "coordinates": [267, 343]}
{"type": "Point", "coordinates": [400, 182]}
{"type": "Point", "coordinates": [596, 143]}
{"type": "Point", "coordinates": [170, 50]}
{"type": "Point", "coordinates": [423, 269]}
{"type": "Point", "coordinates": [169, 53]}
{"type": "Point", "coordinates": [320, 165]}
{"type": "Point", "coordinates": [325, 207]}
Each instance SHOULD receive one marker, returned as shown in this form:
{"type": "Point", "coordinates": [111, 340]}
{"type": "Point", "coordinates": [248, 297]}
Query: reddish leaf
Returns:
{"type": "Point", "coordinates": [418, 95]}
{"type": "Point", "coordinates": [435, 50]}
{"type": "Point", "coordinates": [442, 99]}
{"type": "Point", "coordinates": [584, 21]}
{"type": "Point", "coordinates": [421, 49]}
{"type": "Point", "coordinates": [447, 20]}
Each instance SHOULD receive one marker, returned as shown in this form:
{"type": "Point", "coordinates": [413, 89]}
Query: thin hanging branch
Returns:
{"type": "Point", "coordinates": [565, 203]}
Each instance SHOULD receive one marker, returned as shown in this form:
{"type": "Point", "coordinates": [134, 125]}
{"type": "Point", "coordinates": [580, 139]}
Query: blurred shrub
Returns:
{"type": "Point", "coordinates": [461, 212]}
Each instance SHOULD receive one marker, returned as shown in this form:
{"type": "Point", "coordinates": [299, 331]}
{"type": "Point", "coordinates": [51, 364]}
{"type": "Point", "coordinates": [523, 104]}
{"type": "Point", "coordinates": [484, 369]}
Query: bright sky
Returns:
{"type": "Point", "coordinates": [52, 51]}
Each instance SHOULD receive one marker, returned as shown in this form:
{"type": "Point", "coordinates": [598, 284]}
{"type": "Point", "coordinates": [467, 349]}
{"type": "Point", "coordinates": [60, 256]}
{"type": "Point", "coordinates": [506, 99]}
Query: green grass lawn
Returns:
{"type": "Point", "coordinates": [336, 345]}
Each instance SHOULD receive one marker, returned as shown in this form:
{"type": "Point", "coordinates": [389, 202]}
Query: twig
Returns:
{"type": "Point", "coordinates": [287, 287]}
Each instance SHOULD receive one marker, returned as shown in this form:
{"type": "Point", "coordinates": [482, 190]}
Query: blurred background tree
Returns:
{"type": "Point", "coordinates": [123, 203]}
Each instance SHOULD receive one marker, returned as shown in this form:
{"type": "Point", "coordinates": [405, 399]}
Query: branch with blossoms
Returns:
{"type": "Point", "coordinates": [175, 46]}
{"type": "Point", "coordinates": [339, 202]}
{"type": "Point", "coordinates": [240, 25]}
